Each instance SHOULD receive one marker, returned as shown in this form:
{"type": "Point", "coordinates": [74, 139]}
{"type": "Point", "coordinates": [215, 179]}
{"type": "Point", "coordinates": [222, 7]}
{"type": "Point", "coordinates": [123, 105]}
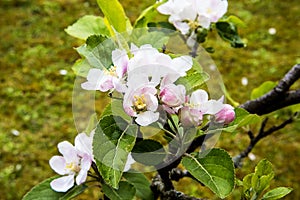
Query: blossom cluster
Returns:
{"type": "Point", "coordinates": [75, 162]}
{"type": "Point", "coordinates": [190, 14]}
{"type": "Point", "coordinates": [147, 80]}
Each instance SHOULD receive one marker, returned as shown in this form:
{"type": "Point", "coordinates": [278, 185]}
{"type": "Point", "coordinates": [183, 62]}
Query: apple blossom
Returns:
{"type": "Point", "coordinates": [190, 14]}
{"type": "Point", "coordinates": [173, 96]}
{"type": "Point", "coordinates": [198, 105]}
{"type": "Point", "coordinates": [190, 116]}
{"type": "Point", "coordinates": [150, 62]}
{"type": "Point", "coordinates": [112, 78]}
{"type": "Point", "coordinates": [75, 161]}
{"type": "Point", "coordinates": [140, 100]}
{"type": "Point", "coordinates": [226, 115]}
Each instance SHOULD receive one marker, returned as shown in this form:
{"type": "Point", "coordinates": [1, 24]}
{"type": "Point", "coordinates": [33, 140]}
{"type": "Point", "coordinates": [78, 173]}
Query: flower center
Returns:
{"type": "Point", "coordinates": [193, 24]}
{"type": "Point", "coordinates": [140, 103]}
{"type": "Point", "coordinates": [73, 167]}
{"type": "Point", "coordinates": [112, 71]}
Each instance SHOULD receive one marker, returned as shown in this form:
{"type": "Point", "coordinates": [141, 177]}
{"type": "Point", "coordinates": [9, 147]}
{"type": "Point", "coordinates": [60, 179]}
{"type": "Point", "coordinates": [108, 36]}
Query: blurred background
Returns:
{"type": "Point", "coordinates": [36, 83]}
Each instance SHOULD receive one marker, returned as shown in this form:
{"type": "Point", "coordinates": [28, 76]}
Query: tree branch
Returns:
{"type": "Point", "coordinates": [261, 134]}
{"type": "Point", "coordinates": [278, 97]}
{"type": "Point", "coordinates": [158, 188]}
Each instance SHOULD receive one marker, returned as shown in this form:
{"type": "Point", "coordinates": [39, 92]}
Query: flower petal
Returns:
{"type": "Point", "coordinates": [68, 151]}
{"type": "Point", "coordinates": [129, 162]}
{"type": "Point", "coordinates": [62, 184]}
{"type": "Point", "coordinates": [81, 177]}
{"type": "Point", "coordinates": [84, 144]}
{"type": "Point", "coordinates": [58, 164]}
{"type": "Point", "coordinates": [146, 118]}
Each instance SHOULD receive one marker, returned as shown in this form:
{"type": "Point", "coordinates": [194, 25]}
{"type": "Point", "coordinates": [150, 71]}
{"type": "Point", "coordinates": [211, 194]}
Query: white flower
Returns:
{"type": "Point", "coordinates": [173, 97]}
{"type": "Point", "coordinates": [105, 80]}
{"type": "Point", "coordinates": [189, 14]}
{"type": "Point", "coordinates": [210, 11]}
{"type": "Point", "coordinates": [149, 62]}
{"type": "Point", "coordinates": [75, 161]}
{"type": "Point", "coordinates": [197, 106]}
{"type": "Point", "coordinates": [140, 101]}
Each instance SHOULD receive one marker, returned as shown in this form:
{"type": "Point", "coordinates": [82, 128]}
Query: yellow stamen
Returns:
{"type": "Point", "coordinates": [140, 103]}
{"type": "Point", "coordinates": [193, 24]}
{"type": "Point", "coordinates": [73, 167]}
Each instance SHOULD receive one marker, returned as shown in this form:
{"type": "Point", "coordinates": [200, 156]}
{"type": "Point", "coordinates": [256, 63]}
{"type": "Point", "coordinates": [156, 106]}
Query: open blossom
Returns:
{"type": "Point", "coordinates": [112, 78]}
{"type": "Point", "coordinates": [197, 106]}
{"type": "Point", "coordinates": [226, 115]}
{"type": "Point", "coordinates": [140, 100]}
{"type": "Point", "coordinates": [173, 97]}
{"type": "Point", "coordinates": [150, 62]}
{"type": "Point", "coordinates": [189, 14]}
{"type": "Point", "coordinates": [75, 161]}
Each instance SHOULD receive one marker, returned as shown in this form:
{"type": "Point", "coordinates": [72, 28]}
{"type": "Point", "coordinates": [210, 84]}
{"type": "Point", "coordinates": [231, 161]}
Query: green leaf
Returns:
{"type": "Point", "coordinates": [126, 191]}
{"type": "Point", "coordinates": [115, 14]}
{"type": "Point", "coordinates": [247, 186]}
{"type": "Point", "coordinates": [228, 32]}
{"type": "Point", "coordinates": [214, 169]}
{"type": "Point", "coordinates": [115, 108]}
{"type": "Point", "coordinates": [81, 67]}
{"type": "Point", "coordinates": [98, 56]}
{"type": "Point", "coordinates": [113, 140]}
{"type": "Point", "coordinates": [142, 36]}
{"type": "Point", "coordinates": [277, 193]}
{"type": "Point", "coordinates": [75, 191]}
{"type": "Point", "coordinates": [141, 184]}
{"type": "Point", "coordinates": [262, 89]}
{"type": "Point", "coordinates": [236, 21]}
{"type": "Point", "coordinates": [148, 152]}
{"type": "Point", "coordinates": [86, 26]}
{"type": "Point", "coordinates": [243, 118]}
{"type": "Point", "coordinates": [92, 124]}
{"type": "Point", "coordinates": [193, 80]}
{"type": "Point", "coordinates": [43, 191]}
{"type": "Point", "coordinates": [262, 176]}
{"type": "Point", "coordinates": [147, 15]}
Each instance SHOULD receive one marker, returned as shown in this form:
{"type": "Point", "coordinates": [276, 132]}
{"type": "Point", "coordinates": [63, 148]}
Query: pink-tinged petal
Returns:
{"type": "Point", "coordinates": [63, 184]}
{"type": "Point", "coordinates": [190, 117]}
{"type": "Point", "coordinates": [120, 60]}
{"type": "Point", "coordinates": [211, 107]}
{"type": "Point", "coordinates": [199, 97]}
{"type": "Point", "coordinates": [118, 85]}
{"type": "Point", "coordinates": [84, 144]}
{"type": "Point", "coordinates": [168, 109]}
{"type": "Point", "coordinates": [226, 115]}
{"type": "Point", "coordinates": [173, 95]}
{"type": "Point", "coordinates": [58, 164]}
{"type": "Point", "coordinates": [151, 102]}
{"type": "Point", "coordinates": [68, 151]}
{"type": "Point", "coordinates": [129, 162]}
{"type": "Point", "coordinates": [146, 118]}
{"type": "Point", "coordinates": [106, 83]}
{"type": "Point", "coordinates": [94, 79]}
{"type": "Point", "coordinates": [81, 177]}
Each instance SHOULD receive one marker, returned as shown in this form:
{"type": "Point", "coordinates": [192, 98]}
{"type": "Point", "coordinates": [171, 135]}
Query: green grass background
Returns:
{"type": "Point", "coordinates": [37, 101]}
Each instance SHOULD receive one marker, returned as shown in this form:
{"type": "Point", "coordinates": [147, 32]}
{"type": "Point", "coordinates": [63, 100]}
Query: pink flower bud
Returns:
{"type": "Point", "coordinates": [190, 116]}
{"type": "Point", "coordinates": [226, 115]}
{"type": "Point", "coordinates": [173, 95]}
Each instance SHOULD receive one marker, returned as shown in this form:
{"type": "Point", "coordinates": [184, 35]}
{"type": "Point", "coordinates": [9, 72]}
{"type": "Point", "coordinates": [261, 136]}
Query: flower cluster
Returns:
{"type": "Point", "coordinates": [147, 81]}
{"type": "Point", "coordinates": [190, 14]}
{"type": "Point", "coordinates": [75, 161]}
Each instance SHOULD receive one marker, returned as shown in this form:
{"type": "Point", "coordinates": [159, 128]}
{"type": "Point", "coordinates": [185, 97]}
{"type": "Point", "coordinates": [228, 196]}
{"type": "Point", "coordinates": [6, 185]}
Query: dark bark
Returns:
{"type": "Point", "coordinates": [278, 97]}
